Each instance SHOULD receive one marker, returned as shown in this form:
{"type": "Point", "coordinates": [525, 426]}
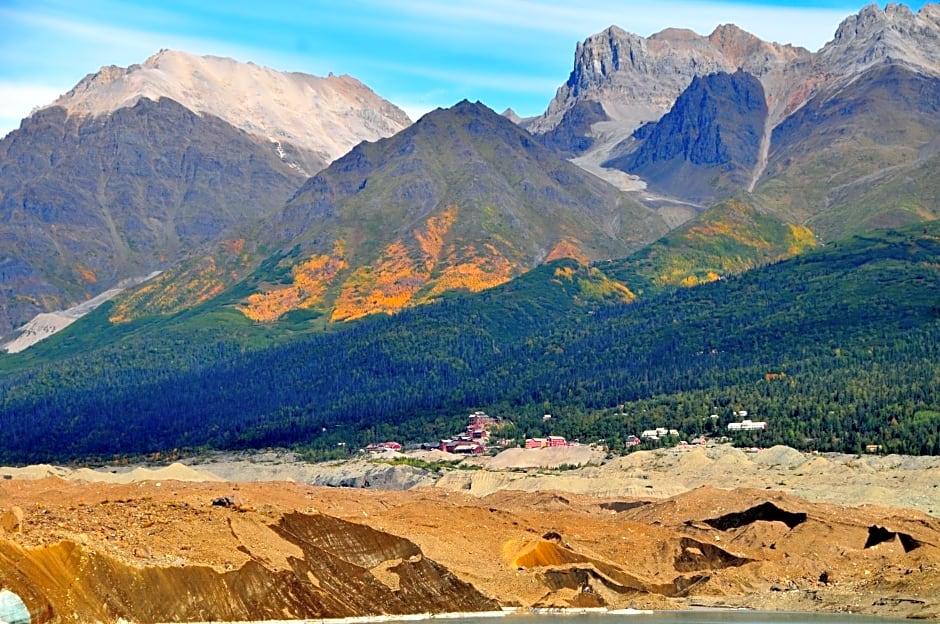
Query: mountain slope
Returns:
{"type": "Point", "coordinates": [117, 179]}
{"type": "Point", "coordinates": [835, 348]}
{"type": "Point", "coordinates": [461, 200]}
{"type": "Point", "coordinates": [841, 144]}
{"type": "Point", "coordinates": [726, 240]}
{"type": "Point", "coordinates": [87, 202]}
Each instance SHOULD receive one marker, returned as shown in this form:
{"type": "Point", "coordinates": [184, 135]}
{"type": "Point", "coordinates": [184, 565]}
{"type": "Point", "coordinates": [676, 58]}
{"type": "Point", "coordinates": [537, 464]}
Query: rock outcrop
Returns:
{"type": "Point", "coordinates": [637, 79]}
{"type": "Point", "coordinates": [707, 144]}
{"type": "Point", "coordinates": [11, 521]}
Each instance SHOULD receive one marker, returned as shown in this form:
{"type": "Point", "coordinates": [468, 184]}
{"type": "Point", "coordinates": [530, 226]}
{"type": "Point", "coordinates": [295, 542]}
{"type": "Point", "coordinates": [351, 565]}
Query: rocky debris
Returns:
{"type": "Point", "coordinates": [223, 501]}
{"type": "Point", "coordinates": [258, 566]}
{"type": "Point", "coordinates": [574, 550]}
{"type": "Point", "coordinates": [549, 457]}
{"type": "Point", "coordinates": [12, 520]}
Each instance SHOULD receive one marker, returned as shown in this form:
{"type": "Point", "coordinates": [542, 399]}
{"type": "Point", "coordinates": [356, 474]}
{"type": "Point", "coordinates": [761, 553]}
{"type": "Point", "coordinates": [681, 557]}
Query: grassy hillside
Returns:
{"type": "Point", "coordinates": [858, 157]}
{"type": "Point", "coordinates": [836, 348]}
{"type": "Point", "coordinates": [728, 238]}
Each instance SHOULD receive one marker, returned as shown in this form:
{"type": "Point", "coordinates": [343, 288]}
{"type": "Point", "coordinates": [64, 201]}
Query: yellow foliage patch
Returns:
{"type": "Point", "coordinates": [431, 240]}
{"type": "Point", "coordinates": [163, 294]}
{"type": "Point", "coordinates": [483, 273]}
{"type": "Point", "coordinates": [802, 239]}
{"type": "Point", "coordinates": [565, 272]}
{"type": "Point", "coordinates": [386, 288]}
{"type": "Point", "coordinates": [401, 274]}
{"type": "Point", "coordinates": [601, 287]}
{"type": "Point", "coordinates": [310, 282]}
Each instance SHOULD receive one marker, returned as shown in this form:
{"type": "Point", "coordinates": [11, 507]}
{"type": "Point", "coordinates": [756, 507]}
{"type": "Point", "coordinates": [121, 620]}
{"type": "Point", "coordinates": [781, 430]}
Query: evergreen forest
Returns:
{"type": "Point", "coordinates": [835, 349]}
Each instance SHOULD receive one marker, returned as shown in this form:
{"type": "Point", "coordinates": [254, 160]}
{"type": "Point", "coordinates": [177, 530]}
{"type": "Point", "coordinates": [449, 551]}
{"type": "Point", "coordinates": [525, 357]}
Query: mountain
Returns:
{"type": "Point", "coordinates": [829, 162]}
{"type": "Point", "coordinates": [708, 144]}
{"type": "Point", "coordinates": [309, 121]}
{"type": "Point", "coordinates": [461, 200]}
{"type": "Point", "coordinates": [135, 167]}
{"type": "Point", "coordinates": [627, 80]}
{"type": "Point", "coordinates": [832, 125]}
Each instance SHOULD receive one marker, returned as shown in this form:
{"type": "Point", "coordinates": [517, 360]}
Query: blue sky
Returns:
{"type": "Point", "coordinates": [420, 54]}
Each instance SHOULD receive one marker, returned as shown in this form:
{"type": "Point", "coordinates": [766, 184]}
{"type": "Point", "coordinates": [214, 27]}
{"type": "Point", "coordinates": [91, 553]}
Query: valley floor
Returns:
{"type": "Point", "coordinates": [714, 527]}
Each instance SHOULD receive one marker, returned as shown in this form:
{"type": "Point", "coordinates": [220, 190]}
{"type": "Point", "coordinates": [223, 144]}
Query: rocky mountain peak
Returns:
{"type": "Point", "coordinates": [894, 34]}
{"type": "Point", "coordinates": [636, 79]}
{"type": "Point", "coordinates": [633, 76]}
{"type": "Point", "coordinates": [511, 115]}
{"type": "Point", "coordinates": [326, 116]}
{"type": "Point", "coordinates": [743, 50]}
{"type": "Point", "coordinates": [872, 20]}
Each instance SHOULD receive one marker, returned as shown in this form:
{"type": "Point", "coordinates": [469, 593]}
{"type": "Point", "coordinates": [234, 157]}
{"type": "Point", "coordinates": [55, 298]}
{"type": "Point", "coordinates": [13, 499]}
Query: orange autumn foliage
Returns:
{"type": "Point", "coordinates": [310, 282]}
{"type": "Point", "coordinates": [406, 277]}
{"type": "Point", "coordinates": [386, 288]}
{"type": "Point", "coordinates": [233, 247]}
{"type": "Point", "coordinates": [474, 276]}
{"type": "Point", "coordinates": [431, 240]}
{"type": "Point", "coordinates": [567, 249]}
{"type": "Point", "coordinates": [803, 239]}
{"type": "Point", "coordinates": [87, 274]}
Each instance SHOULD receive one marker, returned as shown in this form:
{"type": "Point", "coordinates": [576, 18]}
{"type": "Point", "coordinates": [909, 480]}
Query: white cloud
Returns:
{"type": "Point", "coordinates": [18, 99]}
{"type": "Point", "coordinates": [801, 25]}
{"type": "Point", "coordinates": [515, 51]}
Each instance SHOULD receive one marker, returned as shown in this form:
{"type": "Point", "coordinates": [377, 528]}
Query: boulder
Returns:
{"type": "Point", "coordinates": [12, 520]}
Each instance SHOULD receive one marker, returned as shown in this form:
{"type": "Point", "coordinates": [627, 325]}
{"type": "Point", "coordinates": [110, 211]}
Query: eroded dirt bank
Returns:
{"type": "Point", "coordinates": [162, 551]}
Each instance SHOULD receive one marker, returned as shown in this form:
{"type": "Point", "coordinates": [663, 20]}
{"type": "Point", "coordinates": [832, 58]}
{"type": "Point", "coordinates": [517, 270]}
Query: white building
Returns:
{"type": "Point", "coordinates": [747, 425]}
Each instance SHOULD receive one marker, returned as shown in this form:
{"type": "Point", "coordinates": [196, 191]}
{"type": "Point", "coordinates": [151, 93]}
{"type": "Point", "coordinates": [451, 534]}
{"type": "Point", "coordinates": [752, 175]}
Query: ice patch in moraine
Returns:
{"type": "Point", "coordinates": [12, 609]}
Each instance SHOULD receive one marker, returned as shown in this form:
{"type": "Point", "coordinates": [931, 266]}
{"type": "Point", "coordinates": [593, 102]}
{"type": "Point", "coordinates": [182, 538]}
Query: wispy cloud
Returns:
{"type": "Point", "coordinates": [810, 25]}
{"type": "Point", "coordinates": [427, 52]}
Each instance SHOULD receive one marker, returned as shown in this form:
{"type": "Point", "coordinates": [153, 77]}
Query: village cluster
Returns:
{"type": "Point", "coordinates": [473, 440]}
